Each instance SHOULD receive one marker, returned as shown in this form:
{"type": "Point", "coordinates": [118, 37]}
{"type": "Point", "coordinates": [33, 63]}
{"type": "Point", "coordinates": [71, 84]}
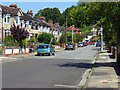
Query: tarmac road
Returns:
{"type": "Point", "coordinates": [64, 70]}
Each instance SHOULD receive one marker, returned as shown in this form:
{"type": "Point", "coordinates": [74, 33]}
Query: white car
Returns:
{"type": "Point", "coordinates": [80, 44]}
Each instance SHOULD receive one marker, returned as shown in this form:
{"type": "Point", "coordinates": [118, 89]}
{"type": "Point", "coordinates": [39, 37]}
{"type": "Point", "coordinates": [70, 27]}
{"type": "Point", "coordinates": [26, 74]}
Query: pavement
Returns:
{"type": "Point", "coordinates": [104, 73]}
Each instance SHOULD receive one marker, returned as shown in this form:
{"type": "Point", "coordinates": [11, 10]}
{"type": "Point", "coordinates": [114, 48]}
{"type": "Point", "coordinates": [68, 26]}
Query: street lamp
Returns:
{"type": "Point", "coordinates": [101, 30]}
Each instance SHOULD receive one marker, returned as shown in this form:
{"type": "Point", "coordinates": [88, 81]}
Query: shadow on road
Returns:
{"type": "Point", "coordinates": [77, 65]}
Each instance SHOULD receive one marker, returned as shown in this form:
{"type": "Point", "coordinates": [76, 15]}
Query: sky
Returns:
{"type": "Point", "coordinates": [36, 6]}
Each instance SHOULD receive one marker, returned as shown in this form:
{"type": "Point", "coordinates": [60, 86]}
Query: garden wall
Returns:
{"type": "Point", "coordinates": [15, 50]}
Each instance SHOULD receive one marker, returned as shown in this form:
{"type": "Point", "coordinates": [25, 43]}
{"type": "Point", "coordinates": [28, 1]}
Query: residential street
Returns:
{"type": "Point", "coordinates": [64, 70]}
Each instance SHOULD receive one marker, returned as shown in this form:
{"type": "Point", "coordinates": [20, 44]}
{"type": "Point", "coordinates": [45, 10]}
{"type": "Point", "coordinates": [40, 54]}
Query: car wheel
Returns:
{"type": "Point", "coordinates": [50, 54]}
{"type": "Point", "coordinates": [53, 54]}
{"type": "Point", "coordinates": [38, 54]}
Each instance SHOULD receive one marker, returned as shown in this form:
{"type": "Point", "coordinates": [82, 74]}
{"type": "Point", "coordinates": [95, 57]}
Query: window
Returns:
{"type": "Point", "coordinates": [21, 24]}
{"type": "Point", "coordinates": [8, 19]}
{"type": "Point", "coordinates": [25, 25]}
{"type": "Point", "coordinates": [16, 18]}
{"type": "Point", "coordinates": [5, 19]}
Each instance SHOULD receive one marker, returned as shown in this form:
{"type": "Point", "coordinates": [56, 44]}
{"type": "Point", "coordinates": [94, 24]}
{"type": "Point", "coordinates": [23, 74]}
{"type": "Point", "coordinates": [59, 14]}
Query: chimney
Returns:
{"type": "Point", "coordinates": [30, 12]}
{"type": "Point", "coordinates": [42, 18]}
{"type": "Point", "coordinates": [50, 21]}
{"type": "Point", "coordinates": [13, 5]}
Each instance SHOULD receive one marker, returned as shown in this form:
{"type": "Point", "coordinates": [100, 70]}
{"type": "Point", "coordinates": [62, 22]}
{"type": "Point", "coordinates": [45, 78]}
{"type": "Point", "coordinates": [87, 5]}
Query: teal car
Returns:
{"type": "Point", "coordinates": [44, 49]}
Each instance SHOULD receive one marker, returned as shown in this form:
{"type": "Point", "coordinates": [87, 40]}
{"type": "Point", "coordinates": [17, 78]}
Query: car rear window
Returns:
{"type": "Point", "coordinates": [43, 46]}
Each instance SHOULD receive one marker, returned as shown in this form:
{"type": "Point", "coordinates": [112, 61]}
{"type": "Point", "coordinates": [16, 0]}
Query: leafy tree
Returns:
{"type": "Point", "coordinates": [50, 14]}
{"type": "Point", "coordinates": [19, 34]}
{"type": "Point", "coordinates": [46, 38]}
{"type": "Point", "coordinates": [62, 38]}
{"type": "Point", "coordinates": [107, 14]}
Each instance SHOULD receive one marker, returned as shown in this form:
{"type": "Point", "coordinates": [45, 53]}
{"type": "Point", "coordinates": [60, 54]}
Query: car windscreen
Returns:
{"type": "Point", "coordinates": [43, 46]}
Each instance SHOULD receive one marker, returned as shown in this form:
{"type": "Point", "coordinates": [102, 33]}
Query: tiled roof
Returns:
{"type": "Point", "coordinates": [9, 10]}
{"type": "Point", "coordinates": [42, 22]}
{"type": "Point", "coordinates": [27, 17]}
{"type": "Point", "coordinates": [73, 28]}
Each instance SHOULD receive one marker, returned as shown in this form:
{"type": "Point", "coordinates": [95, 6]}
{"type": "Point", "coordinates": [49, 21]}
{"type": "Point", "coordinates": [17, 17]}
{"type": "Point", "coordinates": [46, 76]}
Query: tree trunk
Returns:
{"type": "Point", "coordinates": [118, 49]}
{"type": "Point", "coordinates": [117, 27]}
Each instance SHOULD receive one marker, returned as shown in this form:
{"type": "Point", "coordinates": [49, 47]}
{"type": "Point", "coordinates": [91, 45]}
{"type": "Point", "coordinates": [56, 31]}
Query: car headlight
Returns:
{"type": "Point", "coordinates": [48, 50]}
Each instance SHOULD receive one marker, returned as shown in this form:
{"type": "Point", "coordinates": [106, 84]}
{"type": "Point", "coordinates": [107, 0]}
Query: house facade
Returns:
{"type": "Point", "coordinates": [12, 15]}
{"type": "Point", "coordinates": [0, 24]}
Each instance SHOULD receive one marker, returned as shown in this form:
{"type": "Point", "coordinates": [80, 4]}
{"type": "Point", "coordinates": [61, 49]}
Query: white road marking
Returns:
{"type": "Point", "coordinates": [7, 59]}
{"type": "Point", "coordinates": [66, 86]}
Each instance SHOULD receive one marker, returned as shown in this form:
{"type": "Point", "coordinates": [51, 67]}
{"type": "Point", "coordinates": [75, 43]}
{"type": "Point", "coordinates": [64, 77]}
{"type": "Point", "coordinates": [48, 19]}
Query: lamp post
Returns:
{"type": "Point", "coordinates": [72, 33]}
{"type": "Point", "coordinates": [101, 30]}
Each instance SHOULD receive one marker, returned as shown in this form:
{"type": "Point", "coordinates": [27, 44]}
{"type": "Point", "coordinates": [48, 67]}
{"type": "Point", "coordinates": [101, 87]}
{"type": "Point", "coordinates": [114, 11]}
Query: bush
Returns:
{"type": "Point", "coordinates": [9, 41]}
{"type": "Point", "coordinates": [23, 42]}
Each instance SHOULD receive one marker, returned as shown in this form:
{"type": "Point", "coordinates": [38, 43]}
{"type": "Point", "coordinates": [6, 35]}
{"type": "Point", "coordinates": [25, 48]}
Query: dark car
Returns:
{"type": "Point", "coordinates": [98, 44]}
{"type": "Point", "coordinates": [70, 47]}
{"type": "Point", "coordinates": [45, 49]}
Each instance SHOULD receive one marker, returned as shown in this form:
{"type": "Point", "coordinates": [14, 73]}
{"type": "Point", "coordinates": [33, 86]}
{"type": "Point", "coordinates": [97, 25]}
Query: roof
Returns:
{"type": "Point", "coordinates": [42, 22]}
{"type": "Point", "coordinates": [73, 28]}
{"type": "Point", "coordinates": [27, 17]}
{"type": "Point", "coordinates": [10, 10]}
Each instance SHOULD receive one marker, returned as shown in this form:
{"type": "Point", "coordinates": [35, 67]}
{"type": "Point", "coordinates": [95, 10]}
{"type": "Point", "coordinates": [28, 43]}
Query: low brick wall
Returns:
{"type": "Point", "coordinates": [13, 51]}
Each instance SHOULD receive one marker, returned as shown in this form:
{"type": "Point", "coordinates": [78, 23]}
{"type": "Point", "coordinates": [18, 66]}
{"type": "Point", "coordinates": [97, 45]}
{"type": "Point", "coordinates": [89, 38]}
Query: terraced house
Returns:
{"type": "Point", "coordinates": [12, 14]}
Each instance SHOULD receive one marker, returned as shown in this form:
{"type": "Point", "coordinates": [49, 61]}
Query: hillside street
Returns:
{"type": "Point", "coordinates": [64, 70]}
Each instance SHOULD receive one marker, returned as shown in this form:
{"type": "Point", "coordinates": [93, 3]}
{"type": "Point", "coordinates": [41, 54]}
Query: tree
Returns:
{"type": "Point", "coordinates": [19, 34]}
{"type": "Point", "coordinates": [107, 14]}
{"type": "Point", "coordinates": [50, 14]}
{"type": "Point", "coordinates": [62, 38]}
{"type": "Point", "coordinates": [46, 38]}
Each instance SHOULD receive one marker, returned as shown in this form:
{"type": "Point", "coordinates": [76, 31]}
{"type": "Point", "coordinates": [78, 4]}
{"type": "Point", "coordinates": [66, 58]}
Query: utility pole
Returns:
{"type": "Point", "coordinates": [72, 32]}
{"type": "Point", "coordinates": [2, 29]}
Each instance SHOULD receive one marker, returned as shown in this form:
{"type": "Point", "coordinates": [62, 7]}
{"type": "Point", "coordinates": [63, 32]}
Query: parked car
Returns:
{"type": "Point", "coordinates": [98, 44]}
{"type": "Point", "coordinates": [70, 46]}
{"type": "Point", "coordinates": [80, 44]}
{"type": "Point", "coordinates": [45, 49]}
{"type": "Point", "coordinates": [91, 43]}
{"type": "Point", "coordinates": [85, 43]}
{"type": "Point", "coordinates": [0, 43]}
